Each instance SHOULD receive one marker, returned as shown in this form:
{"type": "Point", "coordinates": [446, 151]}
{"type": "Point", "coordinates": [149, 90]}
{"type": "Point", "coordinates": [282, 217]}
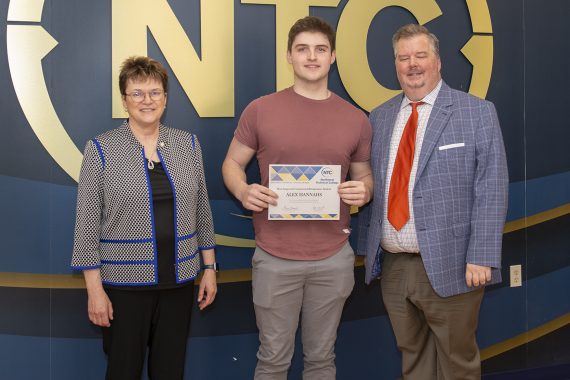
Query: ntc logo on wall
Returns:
{"type": "Point", "coordinates": [209, 81]}
{"type": "Point", "coordinates": [208, 78]}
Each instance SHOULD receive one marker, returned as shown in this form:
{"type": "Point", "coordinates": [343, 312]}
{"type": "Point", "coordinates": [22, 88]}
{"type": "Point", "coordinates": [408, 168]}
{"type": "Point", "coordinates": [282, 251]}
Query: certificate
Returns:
{"type": "Point", "coordinates": [306, 192]}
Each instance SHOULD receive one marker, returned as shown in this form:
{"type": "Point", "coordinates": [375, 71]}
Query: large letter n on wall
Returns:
{"type": "Point", "coordinates": [209, 81]}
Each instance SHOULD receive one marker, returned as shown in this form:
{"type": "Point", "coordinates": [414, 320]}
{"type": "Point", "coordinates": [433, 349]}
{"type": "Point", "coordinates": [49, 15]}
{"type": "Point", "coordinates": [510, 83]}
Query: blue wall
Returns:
{"type": "Point", "coordinates": [44, 330]}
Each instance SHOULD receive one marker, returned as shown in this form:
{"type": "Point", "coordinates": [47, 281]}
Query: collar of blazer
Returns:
{"type": "Point", "coordinates": [438, 119]}
{"type": "Point", "coordinates": [162, 142]}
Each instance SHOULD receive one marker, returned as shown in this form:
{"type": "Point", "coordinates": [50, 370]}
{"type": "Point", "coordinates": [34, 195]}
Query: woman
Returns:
{"type": "Point", "coordinates": [143, 221]}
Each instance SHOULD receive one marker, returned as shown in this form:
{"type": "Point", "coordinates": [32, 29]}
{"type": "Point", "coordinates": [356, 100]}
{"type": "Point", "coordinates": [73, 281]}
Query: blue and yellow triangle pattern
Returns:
{"type": "Point", "coordinates": [304, 216]}
{"type": "Point", "coordinates": [293, 173]}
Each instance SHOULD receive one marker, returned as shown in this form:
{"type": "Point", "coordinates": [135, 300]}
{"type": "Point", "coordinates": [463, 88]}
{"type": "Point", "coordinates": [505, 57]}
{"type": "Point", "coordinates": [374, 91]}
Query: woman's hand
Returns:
{"type": "Point", "coordinates": [208, 289]}
{"type": "Point", "coordinates": [99, 308]}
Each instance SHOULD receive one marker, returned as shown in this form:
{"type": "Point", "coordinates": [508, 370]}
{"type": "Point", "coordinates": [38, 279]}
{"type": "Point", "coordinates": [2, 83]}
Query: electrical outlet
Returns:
{"type": "Point", "coordinates": [516, 275]}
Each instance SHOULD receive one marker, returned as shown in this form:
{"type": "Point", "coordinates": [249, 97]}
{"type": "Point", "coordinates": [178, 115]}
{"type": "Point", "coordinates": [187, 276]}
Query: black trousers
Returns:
{"type": "Point", "coordinates": [155, 319]}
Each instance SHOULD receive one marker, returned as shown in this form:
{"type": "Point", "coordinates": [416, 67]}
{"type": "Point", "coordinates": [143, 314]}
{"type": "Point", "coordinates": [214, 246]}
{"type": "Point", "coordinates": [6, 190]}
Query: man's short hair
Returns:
{"type": "Point", "coordinates": [140, 69]}
{"type": "Point", "coordinates": [311, 24]}
{"type": "Point", "coordinates": [412, 30]}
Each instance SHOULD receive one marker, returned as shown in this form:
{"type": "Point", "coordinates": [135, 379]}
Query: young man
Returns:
{"type": "Point", "coordinates": [438, 213]}
{"type": "Point", "coordinates": [301, 267]}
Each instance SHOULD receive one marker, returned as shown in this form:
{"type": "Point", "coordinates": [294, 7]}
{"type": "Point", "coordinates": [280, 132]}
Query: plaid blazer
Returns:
{"type": "Point", "coordinates": [460, 194]}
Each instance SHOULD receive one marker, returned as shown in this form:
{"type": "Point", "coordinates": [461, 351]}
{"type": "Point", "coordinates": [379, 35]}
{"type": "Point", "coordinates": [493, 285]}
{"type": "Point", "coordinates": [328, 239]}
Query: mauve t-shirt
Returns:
{"type": "Point", "coordinates": [287, 128]}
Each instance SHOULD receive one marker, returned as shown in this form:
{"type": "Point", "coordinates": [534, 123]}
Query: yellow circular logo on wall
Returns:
{"type": "Point", "coordinates": [28, 44]}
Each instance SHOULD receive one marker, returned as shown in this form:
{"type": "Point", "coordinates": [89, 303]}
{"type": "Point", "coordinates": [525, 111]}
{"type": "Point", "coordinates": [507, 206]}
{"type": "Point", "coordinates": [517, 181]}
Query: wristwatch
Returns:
{"type": "Point", "coordinates": [215, 267]}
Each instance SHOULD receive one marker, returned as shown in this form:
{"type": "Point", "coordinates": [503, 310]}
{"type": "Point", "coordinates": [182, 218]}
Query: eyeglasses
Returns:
{"type": "Point", "coordinates": [139, 96]}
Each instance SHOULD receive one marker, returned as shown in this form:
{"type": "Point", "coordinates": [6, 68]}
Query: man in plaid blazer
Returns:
{"type": "Point", "coordinates": [434, 267]}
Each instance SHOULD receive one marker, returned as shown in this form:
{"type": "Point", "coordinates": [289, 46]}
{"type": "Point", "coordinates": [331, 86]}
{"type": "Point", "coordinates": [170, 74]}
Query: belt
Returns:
{"type": "Point", "coordinates": [402, 253]}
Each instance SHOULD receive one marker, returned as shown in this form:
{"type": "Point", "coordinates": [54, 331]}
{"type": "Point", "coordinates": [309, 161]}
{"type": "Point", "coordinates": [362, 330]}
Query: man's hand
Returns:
{"type": "Point", "coordinates": [255, 197]}
{"type": "Point", "coordinates": [358, 191]}
{"type": "Point", "coordinates": [354, 193]}
{"type": "Point", "coordinates": [477, 275]}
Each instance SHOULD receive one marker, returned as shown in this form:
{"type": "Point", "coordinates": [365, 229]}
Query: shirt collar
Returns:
{"type": "Point", "coordinates": [428, 99]}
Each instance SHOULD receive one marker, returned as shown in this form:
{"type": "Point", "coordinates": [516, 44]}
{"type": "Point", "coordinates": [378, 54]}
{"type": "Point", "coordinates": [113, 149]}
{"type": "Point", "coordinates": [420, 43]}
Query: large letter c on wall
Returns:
{"type": "Point", "coordinates": [352, 57]}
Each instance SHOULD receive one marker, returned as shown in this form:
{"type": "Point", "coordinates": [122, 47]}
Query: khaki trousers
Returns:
{"type": "Point", "coordinates": [285, 289]}
{"type": "Point", "coordinates": [435, 335]}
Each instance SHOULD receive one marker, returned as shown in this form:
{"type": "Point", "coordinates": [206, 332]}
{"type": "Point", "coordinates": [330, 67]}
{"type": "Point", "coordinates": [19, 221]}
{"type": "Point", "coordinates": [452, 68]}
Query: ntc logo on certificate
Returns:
{"type": "Point", "coordinates": [306, 192]}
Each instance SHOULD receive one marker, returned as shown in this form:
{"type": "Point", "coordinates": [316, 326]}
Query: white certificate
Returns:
{"type": "Point", "coordinates": [305, 192]}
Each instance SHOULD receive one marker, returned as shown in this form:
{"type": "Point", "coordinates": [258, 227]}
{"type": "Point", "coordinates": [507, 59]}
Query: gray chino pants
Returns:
{"type": "Point", "coordinates": [283, 290]}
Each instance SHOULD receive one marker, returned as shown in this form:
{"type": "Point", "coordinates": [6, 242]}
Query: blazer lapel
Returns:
{"type": "Point", "coordinates": [163, 146]}
{"type": "Point", "coordinates": [391, 115]}
{"type": "Point", "coordinates": [385, 137]}
{"type": "Point", "coordinates": [436, 124]}
{"type": "Point", "coordinates": [132, 145]}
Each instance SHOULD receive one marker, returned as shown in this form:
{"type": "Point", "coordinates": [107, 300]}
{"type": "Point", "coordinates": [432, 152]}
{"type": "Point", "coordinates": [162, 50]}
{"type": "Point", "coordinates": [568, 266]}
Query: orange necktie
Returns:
{"type": "Point", "coordinates": [398, 203]}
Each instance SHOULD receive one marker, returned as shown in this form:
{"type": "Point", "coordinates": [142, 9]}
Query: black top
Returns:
{"type": "Point", "coordinates": [163, 209]}
{"type": "Point", "coordinates": [163, 204]}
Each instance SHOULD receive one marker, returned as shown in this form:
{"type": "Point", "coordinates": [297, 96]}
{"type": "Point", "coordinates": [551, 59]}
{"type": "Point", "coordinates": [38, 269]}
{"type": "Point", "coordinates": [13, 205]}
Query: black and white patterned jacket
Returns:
{"type": "Point", "coordinates": [115, 229]}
